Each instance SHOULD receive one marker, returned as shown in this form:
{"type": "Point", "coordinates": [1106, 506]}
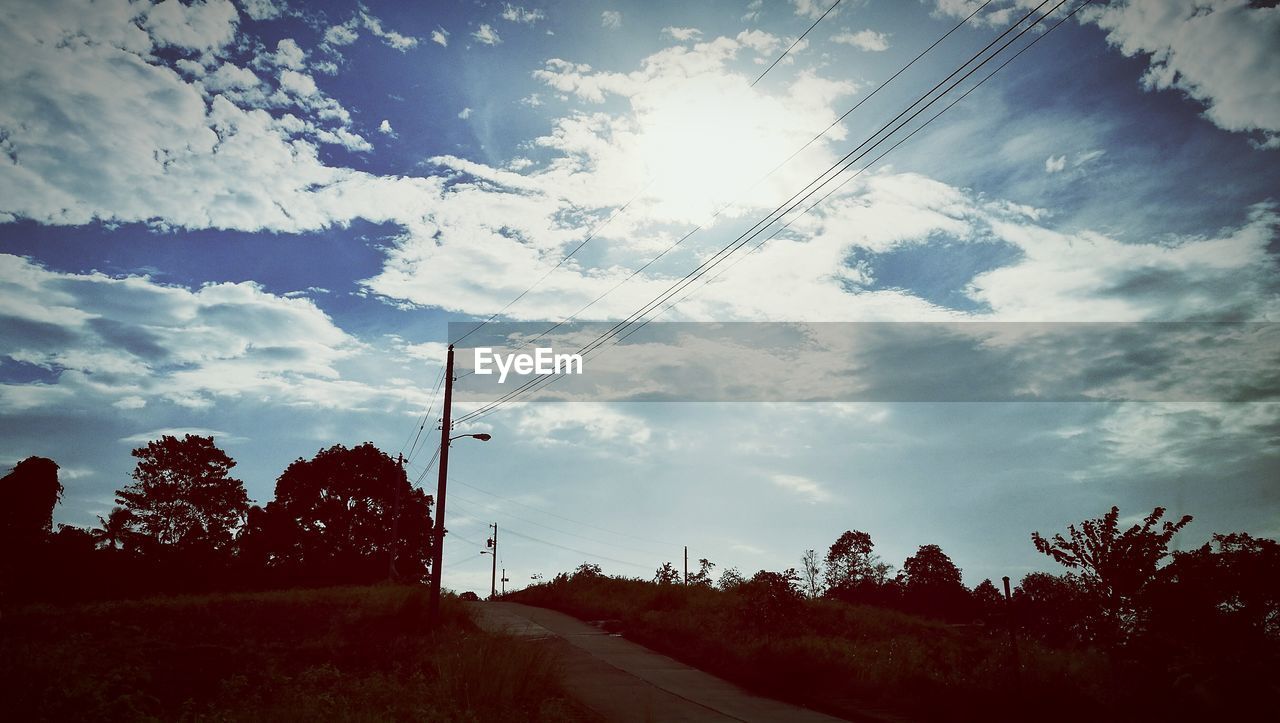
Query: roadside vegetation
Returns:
{"type": "Point", "coordinates": [1130, 632]}
{"type": "Point", "coordinates": [334, 654]}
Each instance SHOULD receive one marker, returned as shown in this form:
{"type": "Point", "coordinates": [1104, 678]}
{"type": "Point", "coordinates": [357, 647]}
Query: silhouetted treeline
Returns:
{"type": "Point", "coordinates": [184, 524]}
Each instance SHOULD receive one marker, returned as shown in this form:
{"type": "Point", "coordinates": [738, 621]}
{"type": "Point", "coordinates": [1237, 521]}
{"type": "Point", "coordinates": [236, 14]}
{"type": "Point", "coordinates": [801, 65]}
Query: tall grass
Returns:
{"type": "Point", "coordinates": [344, 654]}
{"type": "Point", "coordinates": [841, 658]}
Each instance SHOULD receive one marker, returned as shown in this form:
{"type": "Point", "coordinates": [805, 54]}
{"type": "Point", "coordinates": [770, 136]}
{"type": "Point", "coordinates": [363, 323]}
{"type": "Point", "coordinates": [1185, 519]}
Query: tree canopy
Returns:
{"type": "Point", "coordinates": [183, 495]}
{"type": "Point", "coordinates": [347, 514]}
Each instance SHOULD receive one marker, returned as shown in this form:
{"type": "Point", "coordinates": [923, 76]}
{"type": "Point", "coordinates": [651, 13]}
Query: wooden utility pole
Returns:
{"type": "Point", "coordinates": [392, 575]}
{"type": "Point", "coordinates": [686, 564]}
{"type": "Point", "coordinates": [493, 577]}
{"type": "Point", "coordinates": [437, 552]}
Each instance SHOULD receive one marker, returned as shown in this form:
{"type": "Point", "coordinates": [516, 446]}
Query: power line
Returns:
{"type": "Point", "coordinates": [788, 206]}
{"type": "Point", "coordinates": [793, 45]}
{"type": "Point", "coordinates": [435, 392]}
{"type": "Point", "coordinates": [785, 161]}
{"type": "Point", "coordinates": [877, 159]}
{"type": "Point", "coordinates": [594, 232]}
{"type": "Point", "coordinates": [491, 507]}
{"type": "Point", "coordinates": [571, 549]}
{"type": "Point", "coordinates": [562, 517]}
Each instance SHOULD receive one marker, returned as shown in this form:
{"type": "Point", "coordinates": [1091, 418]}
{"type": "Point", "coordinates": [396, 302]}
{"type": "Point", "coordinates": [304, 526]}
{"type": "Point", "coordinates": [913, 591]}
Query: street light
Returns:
{"type": "Point", "coordinates": [437, 554]}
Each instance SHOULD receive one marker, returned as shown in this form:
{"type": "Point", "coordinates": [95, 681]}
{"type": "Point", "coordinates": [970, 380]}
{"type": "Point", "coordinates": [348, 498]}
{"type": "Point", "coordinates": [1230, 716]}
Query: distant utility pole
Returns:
{"type": "Point", "coordinates": [437, 552]}
{"type": "Point", "coordinates": [686, 564]}
{"type": "Point", "coordinates": [493, 577]}
{"type": "Point", "coordinates": [395, 525]}
{"type": "Point", "coordinates": [504, 581]}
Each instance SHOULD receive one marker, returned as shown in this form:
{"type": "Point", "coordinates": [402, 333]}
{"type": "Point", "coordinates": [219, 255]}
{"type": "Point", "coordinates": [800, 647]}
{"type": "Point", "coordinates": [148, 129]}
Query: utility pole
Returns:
{"type": "Point", "coordinates": [504, 580]}
{"type": "Point", "coordinates": [686, 564]}
{"type": "Point", "coordinates": [395, 525]}
{"type": "Point", "coordinates": [437, 553]}
{"type": "Point", "coordinates": [493, 577]}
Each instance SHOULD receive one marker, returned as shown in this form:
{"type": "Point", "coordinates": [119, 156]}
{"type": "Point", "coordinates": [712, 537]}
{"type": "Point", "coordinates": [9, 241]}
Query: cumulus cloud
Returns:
{"type": "Point", "coordinates": [1221, 53]}
{"type": "Point", "coordinates": [465, 113]}
{"type": "Point", "coordinates": [264, 9]}
{"type": "Point", "coordinates": [390, 38]}
{"type": "Point", "coordinates": [440, 37]}
{"type": "Point", "coordinates": [486, 34]}
{"type": "Point", "coordinates": [385, 128]}
{"type": "Point", "coordinates": [611, 19]}
{"type": "Point", "coordinates": [868, 40]}
{"type": "Point", "coordinates": [131, 340]}
{"type": "Point", "coordinates": [1055, 164]}
{"type": "Point", "coordinates": [812, 9]}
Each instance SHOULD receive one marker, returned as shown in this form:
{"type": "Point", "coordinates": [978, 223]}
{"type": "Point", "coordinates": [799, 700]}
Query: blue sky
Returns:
{"type": "Point", "coordinates": [257, 219]}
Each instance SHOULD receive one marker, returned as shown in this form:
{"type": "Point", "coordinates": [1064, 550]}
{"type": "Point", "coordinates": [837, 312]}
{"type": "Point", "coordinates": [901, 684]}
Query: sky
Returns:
{"type": "Point", "coordinates": [256, 220]}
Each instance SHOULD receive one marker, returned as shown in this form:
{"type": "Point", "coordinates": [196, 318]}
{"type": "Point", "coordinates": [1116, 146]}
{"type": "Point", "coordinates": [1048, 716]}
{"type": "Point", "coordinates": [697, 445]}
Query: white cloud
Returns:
{"type": "Point", "coordinates": [385, 128]}
{"type": "Point", "coordinates": [205, 27]}
{"type": "Point", "coordinates": [682, 34]}
{"type": "Point", "coordinates": [263, 9]}
{"type": "Point", "coordinates": [813, 9]}
{"type": "Point", "coordinates": [440, 37]}
{"type": "Point", "coordinates": [390, 38]}
{"type": "Point", "coordinates": [868, 40]}
{"type": "Point", "coordinates": [1219, 52]}
{"type": "Point", "coordinates": [611, 19]}
{"type": "Point", "coordinates": [144, 437]}
{"type": "Point", "coordinates": [599, 427]}
{"type": "Point", "coordinates": [1055, 164]}
{"type": "Point", "coordinates": [465, 113]}
{"type": "Point", "coordinates": [344, 34]}
{"type": "Point", "coordinates": [487, 35]}
{"type": "Point", "coordinates": [128, 341]}
{"type": "Point", "coordinates": [289, 55]}
{"type": "Point", "coordinates": [802, 487]}
{"type": "Point", "coordinates": [518, 14]}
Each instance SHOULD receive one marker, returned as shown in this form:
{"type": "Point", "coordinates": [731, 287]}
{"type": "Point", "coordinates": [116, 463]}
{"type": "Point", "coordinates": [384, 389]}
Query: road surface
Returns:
{"type": "Point", "coordinates": [625, 682]}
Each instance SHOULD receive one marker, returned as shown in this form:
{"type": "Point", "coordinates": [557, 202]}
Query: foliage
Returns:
{"type": "Point", "coordinates": [667, 574]}
{"type": "Point", "coordinates": [182, 496]}
{"type": "Point", "coordinates": [931, 584]}
{"type": "Point", "coordinates": [811, 574]}
{"type": "Point", "coordinates": [703, 575]}
{"type": "Point", "coordinates": [1114, 566]}
{"type": "Point", "coordinates": [30, 492]}
{"type": "Point", "coordinates": [730, 579]}
{"type": "Point", "coordinates": [341, 517]}
{"type": "Point", "coordinates": [353, 654]}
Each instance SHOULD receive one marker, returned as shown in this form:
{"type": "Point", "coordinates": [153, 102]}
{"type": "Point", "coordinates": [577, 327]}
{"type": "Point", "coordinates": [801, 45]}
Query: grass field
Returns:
{"type": "Point", "coordinates": [845, 659]}
{"type": "Point", "coordinates": [336, 654]}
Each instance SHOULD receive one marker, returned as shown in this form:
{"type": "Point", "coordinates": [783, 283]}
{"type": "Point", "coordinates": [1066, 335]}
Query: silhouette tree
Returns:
{"type": "Point", "coordinates": [333, 517]}
{"type": "Point", "coordinates": [1055, 608]}
{"type": "Point", "coordinates": [811, 574]}
{"type": "Point", "coordinates": [855, 574]}
{"type": "Point", "coordinates": [115, 532]}
{"type": "Point", "coordinates": [182, 496]}
{"type": "Point", "coordinates": [1233, 580]}
{"type": "Point", "coordinates": [30, 492]}
{"type": "Point", "coordinates": [703, 576]}
{"type": "Point", "coordinates": [1114, 567]}
{"type": "Point", "coordinates": [730, 579]}
{"type": "Point", "coordinates": [988, 600]}
{"type": "Point", "coordinates": [667, 574]}
{"type": "Point", "coordinates": [932, 583]}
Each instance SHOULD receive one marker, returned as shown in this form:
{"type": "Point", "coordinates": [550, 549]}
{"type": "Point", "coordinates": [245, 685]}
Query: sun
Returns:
{"type": "Point", "coordinates": [708, 141]}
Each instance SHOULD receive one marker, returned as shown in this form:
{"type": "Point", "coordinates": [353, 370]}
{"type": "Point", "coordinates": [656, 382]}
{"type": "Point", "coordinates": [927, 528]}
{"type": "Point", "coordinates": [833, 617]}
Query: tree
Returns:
{"type": "Point", "coordinates": [1114, 567]}
{"type": "Point", "coordinates": [667, 574]}
{"type": "Point", "coordinates": [932, 583]}
{"type": "Point", "coordinates": [988, 600]}
{"type": "Point", "coordinates": [30, 492]}
{"type": "Point", "coordinates": [730, 579]}
{"type": "Point", "coordinates": [182, 495]}
{"type": "Point", "coordinates": [115, 532]}
{"type": "Point", "coordinates": [348, 515]}
{"type": "Point", "coordinates": [1233, 579]}
{"type": "Point", "coordinates": [855, 574]}
{"type": "Point", "coordinates": [811, 574]}
{"type": "Point", "coordinates": [703, 576]}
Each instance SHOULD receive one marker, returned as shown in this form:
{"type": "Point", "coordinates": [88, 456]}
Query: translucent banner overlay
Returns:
{"type": "Point", "coordinates": [868, 362]}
